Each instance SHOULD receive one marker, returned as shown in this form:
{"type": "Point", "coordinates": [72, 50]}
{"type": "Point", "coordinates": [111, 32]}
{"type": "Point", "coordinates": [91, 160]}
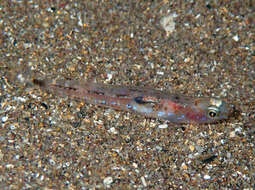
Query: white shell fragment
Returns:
{"type": "Point", "coordinates": [167, 22]}
{"type": "Point", "coordinates": [108, 180]}
{"type": "Point", "coordinates": [207, 177]}
{"type": "Point", "coordinates": [4, 119]}
{"type": "Point", "coordinates": [236, 38]}
{"type": "Point", "coordinates": [163, 126]}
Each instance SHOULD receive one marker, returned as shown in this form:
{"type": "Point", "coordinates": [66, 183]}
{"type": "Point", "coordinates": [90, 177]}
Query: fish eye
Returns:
{"type": "Point", "coordinates": [213, 112]}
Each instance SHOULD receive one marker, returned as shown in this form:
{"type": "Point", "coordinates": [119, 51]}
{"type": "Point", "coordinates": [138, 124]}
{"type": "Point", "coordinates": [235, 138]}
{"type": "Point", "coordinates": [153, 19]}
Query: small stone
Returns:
{"type": "Point", "coordinates": [167, 22]}
{"type": "Point", "coordinates": [135, 165]}
{"type": "Point", "coordinates": [27, 45]}
{"type": "Point", "coordinates": [113, 131]}
{"type": "Point", "coordinates": [109, 76]}
{"type": "Point", "coordinates": [187, 59]}
{"type": "Point", "coordinates": [184, 166]}
{"type": "Point", "coordinates": [160, 73]}
{"type": "Point", "coordinates": [9, 166]}
{"type": "Point", "coordinates": [2, 138]}
{"type": "Point", "coordinates": [163, 126]}
{"type": "Point", "coordinates": [4, 119]}
{"type": "Point", "coordinates": [108, 180]}
{"type": "Point", "coordinates": [52, 162]}
{"type": "Point", "coordinates": [159, 148]}
{"type": "Point", "coordinates": [236, 38]}
{"type": "Point", "coordinates": [192, 148]}
{"type": "Point", "coordinates": [206, 177]}
{"type": "Point", "coordinates": [45, 24]}
{"type": "Point", "coordinates": [1, 155]}
{"type": "Point", "coordinates": [228, 155]}
{"type": "Point", "coordinates": [143, 181]}
{"type": "Point", "coordinates": [232, 134]}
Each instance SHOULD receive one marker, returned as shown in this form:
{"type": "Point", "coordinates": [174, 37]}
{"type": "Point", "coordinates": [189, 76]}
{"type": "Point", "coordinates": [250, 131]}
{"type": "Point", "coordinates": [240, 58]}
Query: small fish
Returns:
{"type": "Point", "coordinates": [175, 108]}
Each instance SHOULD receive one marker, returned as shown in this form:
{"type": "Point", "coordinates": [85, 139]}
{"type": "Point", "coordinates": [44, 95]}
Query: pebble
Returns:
{"type": "Point", "coordinates": [108, 180]}
{"type": "Point", "coordinates": [143, 181]}
{"type": "Point", "coordinates": [113, 131]}
{"type": "Point", "coordinates": [192, 148]}
{"type": "Point", "coordinates": [232, 134]}
{"type": "Point", "coordinates": [207, 177]}
{"type": "Point", "coordinates": [184, 166]}
{"type": "Point", "coordinates": [4, 119]}
{"type": "Point", "coordinates": [236, 38]}
{"type": "Point", "coordinates": [167, 22]}
{"type": "Point", "coordinates": [163, 126]}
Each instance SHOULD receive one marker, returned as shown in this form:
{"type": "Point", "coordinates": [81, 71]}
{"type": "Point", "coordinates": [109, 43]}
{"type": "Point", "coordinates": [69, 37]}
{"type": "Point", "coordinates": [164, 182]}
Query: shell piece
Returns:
{"type": "Point", "coordinates": [167, 22]}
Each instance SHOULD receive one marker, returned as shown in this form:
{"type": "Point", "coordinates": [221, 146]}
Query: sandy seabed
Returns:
{"type": "Point", "coordinates": [51, 142]}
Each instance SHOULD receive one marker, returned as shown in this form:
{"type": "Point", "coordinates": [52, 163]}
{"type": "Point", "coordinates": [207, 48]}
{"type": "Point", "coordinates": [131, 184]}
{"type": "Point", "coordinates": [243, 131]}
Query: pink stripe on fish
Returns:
{"type": "Point", "coordinates": [151, 103]}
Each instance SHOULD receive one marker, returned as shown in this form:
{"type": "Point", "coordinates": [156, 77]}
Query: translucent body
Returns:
{"type": "Point", "coordinates": [151, 103]}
